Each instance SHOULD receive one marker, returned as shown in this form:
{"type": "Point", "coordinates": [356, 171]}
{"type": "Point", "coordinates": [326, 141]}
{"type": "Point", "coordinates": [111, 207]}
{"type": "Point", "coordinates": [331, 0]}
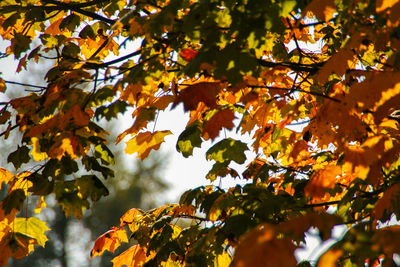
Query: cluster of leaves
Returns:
{"type": "Point", "coordinates": [257, 67]}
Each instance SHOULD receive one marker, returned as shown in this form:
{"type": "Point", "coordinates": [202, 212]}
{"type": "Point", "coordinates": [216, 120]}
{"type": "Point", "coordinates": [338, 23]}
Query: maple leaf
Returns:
{"type": "Point", "coordinates": [5, 176]}
{"type": "Point", "coordinates": [192, 95]}
{"type": "Point", "coordinates": [15, 245]}
{"type": "Point", "coordinates": [188, 54]}
{"type": "Point", "coordinates": [227, 150]}
{"type": "Point", "coordinates": [32, 227]}
{"type": "Point", "coordinates": [188, 140]}
{"type": "Point", "coordinates": [223, 118]}
{"type": "Point", "coordinates": [387, 203]}
{"type": "Point", "coordinates": [322, 9]}
{"type": "Point", "coordinates": [261, 247]}
{"type": "Point", "coordinates": [110, 240]}
{"type": "Point", "coordinates": [323, 179]}
{"type": "Point", "coordinates": [135, 256]}
{"type": "Point", "coordinates": [143, 143]}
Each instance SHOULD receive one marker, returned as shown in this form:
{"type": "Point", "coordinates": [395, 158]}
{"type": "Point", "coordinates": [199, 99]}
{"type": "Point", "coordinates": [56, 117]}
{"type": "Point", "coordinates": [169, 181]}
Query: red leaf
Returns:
{"type": "Point", "coordinates": [192, 95]}
{"type": "Point", "coordinates": [222, 118]}
{"type": "Point", "coordinates": [188, 54]}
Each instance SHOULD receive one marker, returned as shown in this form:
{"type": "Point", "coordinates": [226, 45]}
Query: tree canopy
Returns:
{"type": "Point", "coordinates": [314, 86]}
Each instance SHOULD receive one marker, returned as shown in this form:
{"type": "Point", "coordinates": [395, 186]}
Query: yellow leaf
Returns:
{"type": "Point", "coordinates": [41, 204]}
{"type": "Point", "coordinates": [21, 182]}
{"type": "Point", "coordinates": [135, 256]}
{"type": "Point", "coordinates": [32, 227]}
{"type": "Point", "coordinates": [143, 143]}
{"type": "Point", "coordinates": [36, 153]}
{"type": "Point", "coordinates": [223, 260]}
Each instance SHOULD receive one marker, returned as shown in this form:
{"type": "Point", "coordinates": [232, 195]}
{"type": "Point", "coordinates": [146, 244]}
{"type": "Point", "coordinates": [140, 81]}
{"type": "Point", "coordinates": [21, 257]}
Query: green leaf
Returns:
{"type": "Point", "coordinates": [221, 170]}
{"type": "Point", "coordinates": [188, 140]}
{"type": "Point", "coordinates": [227, 150]}
{"type": "Point", "coordinates": [111, 111]}
{"type": "Point", "coordinates": [86, 32]}
{"type": "Point", "coordinates": [104, 154]}
{"type": "Point", "coordinates": [40, 185]}
{"type": "Point", "coordinates": [70, 22]}
{"type": "Point", "coordinates": [19, 156]}
{"type": "Point", "coordinates": [32, 227]}
{"type": "Point", "coordinates": [69, 197]}
{"type": "Point", "coordinates": [14, 200]}
{"type": "Point", "coordinates": [91, 186]}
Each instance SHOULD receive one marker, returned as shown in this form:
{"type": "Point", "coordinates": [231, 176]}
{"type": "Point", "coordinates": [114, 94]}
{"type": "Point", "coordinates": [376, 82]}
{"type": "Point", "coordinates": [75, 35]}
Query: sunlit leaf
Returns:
{"type": "Point", "coordinates": [32, 227]}
{"type": "Point", "coordinates": [144, 142]}
{"type": "Point", "coordinates": [110, 240]}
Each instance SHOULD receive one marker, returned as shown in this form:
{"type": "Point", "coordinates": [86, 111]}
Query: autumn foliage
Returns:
{"type": "Point", "coordinates": [312, 88]}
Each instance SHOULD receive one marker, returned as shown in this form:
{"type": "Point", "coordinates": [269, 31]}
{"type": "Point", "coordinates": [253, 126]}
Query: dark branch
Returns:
{"type": "Point", "coordinates": [25, 84]}
{"type": "Point", "coordinates": [294, 90]}
{"type": "Point", "coordinates": [311, 68]}
{"type": "Point", "coordinates": [77, 9]}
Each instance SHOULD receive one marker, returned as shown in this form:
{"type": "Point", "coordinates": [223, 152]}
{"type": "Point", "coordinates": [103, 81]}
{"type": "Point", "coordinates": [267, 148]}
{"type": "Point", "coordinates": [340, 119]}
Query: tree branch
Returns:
{"type": "Point", "coordinates": [294, 90]}
{"type": "Point", "coordinates": [312, 68]}
{"type": "Point", "coordinates": [77, 9]}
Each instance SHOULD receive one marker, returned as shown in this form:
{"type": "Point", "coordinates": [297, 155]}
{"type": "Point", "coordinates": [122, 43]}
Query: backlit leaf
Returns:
{"type": "Point", "coordinates": [188, 140]}
{"type": "Point", "coordinates": [135, 256]}
{"type": "Point", "coordinates": [227, 150]}
{"type": "Point", "coordinates": [32, 227]}
{"type": "Point", "coordinates": [222, 119]}
{"type": "Point", "coordinates": [110, 240]}
{"type": "Point", "coordinates": [144, 142]}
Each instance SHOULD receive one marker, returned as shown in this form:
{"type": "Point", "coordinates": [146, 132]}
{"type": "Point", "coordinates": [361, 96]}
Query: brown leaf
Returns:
{"type": "Point", "coordinates": [192, 95]}
{"type": "Point", "coordinates": [221, 119]}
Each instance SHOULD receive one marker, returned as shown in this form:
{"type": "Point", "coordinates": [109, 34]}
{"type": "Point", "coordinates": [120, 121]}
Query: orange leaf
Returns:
{"type": "Point", "coordinates": [322, 9]}
{"type": "Point", "coordinates": [15, 245]}
{"type": "Point", "coordinates": [338, 64]}
{"type": "Point", "coordinates": [188, 54]}
{"type": "Point", "coordinates": [381, 5]}
{"type": "Point", "coordinates": [5, 176]}
{"type": "Point", "coordinates": [135, 256]}
{"type": "Point", "coordinates": [386, 202]}
{"type": "Point", "coordinates": [22, 63]}
{"type": "Point", "coordinates": [54, 28]}
{"type": "Point", "coordinates": [2, 86]}
{"type": "Point", "coordinates": [192, 95]}
{"type": "Point", "coordinates": [261, 247]}
{"type": "Point", "coordinates": [321, 180]}
{"type": "Point", "coordinates": [143, 143]}
{"type": "Point", "coordinates": [222, 118]}
{"type": "Point", "coordinates": [329, 258]}
{"type": "Point", "coordinates": [110, 240]}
